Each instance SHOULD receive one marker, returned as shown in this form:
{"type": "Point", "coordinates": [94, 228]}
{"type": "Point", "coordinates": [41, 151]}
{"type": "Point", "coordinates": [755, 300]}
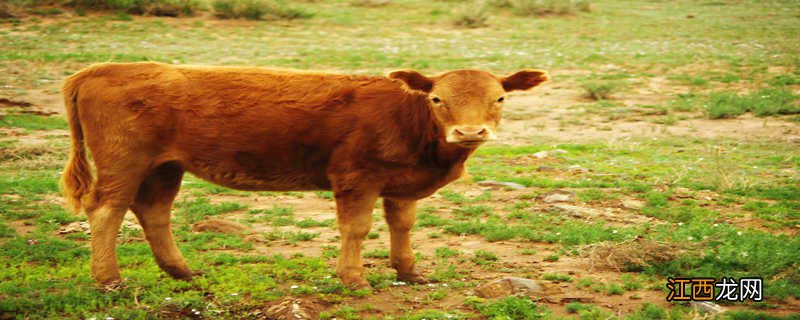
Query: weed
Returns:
{"type": "Point", "coordinates": [631, 283]}
{"type": "Point", "coordinates": [257, 10]}
{"type": "Point", "coordinates": [170, 8]}
{"type": "Point", "coordinates": [584, 283]}
{"type": "Point", "coordinates": [429, 220]}
{"type": "Point", "coordinates": [555, 277]}
{"type": "Point", "coordinates": [551, 258]}
{"type": "Point", "coordinates": [445, 273]}
{"type": "Point", "coordinates": [649, 311]}
{"type": "Point", "coordinates": [546, 7]}
{"type": "Point", "coordinates": [458, 198]}
{"type": "Point", "coordinates": [593, 194]}
{"type": "Point", "coordinates": [473, 211]}
{"type": "Point", "coordinates": [471, 14]}
{"type": "Point", "coordinates": [446, 252]}
{"type": "Point", "coordinates": [784, 213]}
{"type": "Point", "coordinates": [483, 257]}
{"type": "Point", "coordinates": [527, 252]}
{"type": "Point", "coordinates": [311, 223]}
{"type": "Point", "coordinates": [765, 102]}
{"type": "Point", "coordinates": [600, 89]}
{"type": "Point", "coordinates": [290, 236]}
{"type": "Point", "coordinates": [376, 253]}
{"type": "Point", "coordinates": [785, 80]}
{"type": "Point", "coordinates": [614, 289]}
{"type": "Point", "coordinates": [513, 308]}
{"type": "Point", "coordinates": [370, 3]}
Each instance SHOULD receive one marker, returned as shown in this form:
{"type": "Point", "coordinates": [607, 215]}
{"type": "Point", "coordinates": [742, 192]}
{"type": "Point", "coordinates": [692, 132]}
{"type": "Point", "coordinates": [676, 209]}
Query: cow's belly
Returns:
{"type": "Point", "coordinates": [254, 172]}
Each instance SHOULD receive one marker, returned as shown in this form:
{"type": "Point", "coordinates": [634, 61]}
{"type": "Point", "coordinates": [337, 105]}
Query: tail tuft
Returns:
{"type": "Point", "coordinates": [77, 178]}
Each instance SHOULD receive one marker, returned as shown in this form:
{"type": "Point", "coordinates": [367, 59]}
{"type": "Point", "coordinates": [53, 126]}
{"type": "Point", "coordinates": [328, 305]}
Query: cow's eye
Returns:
{"type": "Point", "coordinates": [436, 99]}
{"type": "Point", "coordinates": [501, 99]}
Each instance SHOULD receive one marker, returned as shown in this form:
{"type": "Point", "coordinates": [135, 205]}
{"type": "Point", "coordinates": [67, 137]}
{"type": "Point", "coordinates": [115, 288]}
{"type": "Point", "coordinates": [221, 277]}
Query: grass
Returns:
{"type": "Point", "coordinates": [168, 8]}
{"type": "Point", "coordinates": [197, 209]}
{"type": "Point", "coordinates": [257, 10]}
{"type": "Point", "coordinates": [32, 122]}
{"type": "Point", "coordinates": [600, 89]}
{"type": "Point", "coordinates": [510, 308]}
{"type": "Point", "coordinates": [472, 14]}
{"type": "Point", "coordinates": [548, 7]}
{"type": "Point", "coordinates": [764, 102]}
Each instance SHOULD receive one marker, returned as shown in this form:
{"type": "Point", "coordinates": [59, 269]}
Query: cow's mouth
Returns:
{"type": "Point", "coordinates": [469, 144]}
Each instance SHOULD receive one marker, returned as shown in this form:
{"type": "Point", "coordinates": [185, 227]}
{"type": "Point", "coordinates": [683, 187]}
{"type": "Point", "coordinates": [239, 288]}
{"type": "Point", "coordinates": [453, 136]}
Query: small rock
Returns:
{"type": "Point", "coordinates": [577, 299]}
{"type": "Point", "coordinates": [293, 309]}
{"type": "Point", "coordinates": [577, 168]}
{"type": "Point", "coordinates": [576, 211]}
{"type": "Point", "coordinates": [683, 193]}
{"type": "Point", "coordinates": [507, 286]}
{"type": "Point", "coordinates": [707, 307]}
{"type": "Point", "coordinates": [473, 193]}
{"type": "Point", "coordinates": [557, 195]}
{"type": "Point", "coordinates": [545, 153]}
{"type": "Point", "coordinates": [541, 154]}
{"type": "Point", "coordinates": [501, 184]}
{"type": "Point", "coordinates": [545, 169]}
{"type": "Point", "coordinates": [218, 225]}
{"type": "Point", "coordinates": [255, 238]}
{"type": "Point", "coordinates": [632, 204]}
{"type": "Point", "coordinates": [77, 226]}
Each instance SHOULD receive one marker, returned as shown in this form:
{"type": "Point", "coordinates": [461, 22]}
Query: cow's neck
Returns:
{"type": "Point", "coordinates": [434, 149]}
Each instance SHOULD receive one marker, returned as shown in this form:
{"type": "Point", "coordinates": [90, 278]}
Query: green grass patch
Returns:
{"type": "Point", "coordinates": [764, 102]}
{"type": "Point", "coordinates": [258, 10]}
{"type": "Point", "coordinates": [513, 308]}
{"type": "Point", "coordinates": [33, 122]}
{"type": "Point", "coordinates": [197, 209]}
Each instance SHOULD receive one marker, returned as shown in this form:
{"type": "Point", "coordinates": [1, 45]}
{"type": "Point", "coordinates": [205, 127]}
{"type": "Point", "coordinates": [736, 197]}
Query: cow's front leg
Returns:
{"type": "Point", "coordinates": [354, 216]}
{"type": "Point", "coordinates": [401, 215]}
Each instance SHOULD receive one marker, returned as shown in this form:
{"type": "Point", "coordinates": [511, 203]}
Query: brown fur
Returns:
{"type": "Point", "coordinates": [362, 137]}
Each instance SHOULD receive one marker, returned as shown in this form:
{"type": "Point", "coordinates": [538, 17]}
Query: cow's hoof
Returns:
{"type": "Point", "coordinates": [113, 286]}
{"type": "Point", "coordinates": [357, 284]}
{"type": "Point", "coordinates": [413, 278]}
{"type": "Point", "coordinates": [181, 273]}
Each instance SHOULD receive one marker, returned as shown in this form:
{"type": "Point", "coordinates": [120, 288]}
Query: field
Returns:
{"type": "Point", "coordinates": [670, 130]}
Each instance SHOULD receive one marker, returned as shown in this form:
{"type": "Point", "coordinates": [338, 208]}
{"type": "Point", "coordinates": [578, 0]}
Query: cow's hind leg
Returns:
{"type": "Point", "coordinates": [106, 205]}
{"type": "Point", "coordinates": [152, 207]}
{"type": "Point", "coordinates": [400, 216]}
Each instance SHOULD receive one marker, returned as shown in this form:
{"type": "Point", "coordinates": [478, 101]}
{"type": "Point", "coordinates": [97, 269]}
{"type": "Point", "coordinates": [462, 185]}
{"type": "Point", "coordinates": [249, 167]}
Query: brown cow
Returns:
{"type": "Point", "coordinates": [400, 137]}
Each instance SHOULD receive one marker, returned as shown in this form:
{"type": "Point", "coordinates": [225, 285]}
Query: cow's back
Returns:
{"type": "Point", "coordinates": [245, 128]}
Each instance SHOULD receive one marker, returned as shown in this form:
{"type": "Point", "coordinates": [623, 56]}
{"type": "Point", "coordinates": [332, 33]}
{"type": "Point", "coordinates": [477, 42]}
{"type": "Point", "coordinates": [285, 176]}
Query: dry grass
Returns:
{"type": "Point", "coordinates": [631, 254]}
{"type": "Point", "coordinates": [370, 3]}
{"type": "Point", "coordinates": [472, 14]}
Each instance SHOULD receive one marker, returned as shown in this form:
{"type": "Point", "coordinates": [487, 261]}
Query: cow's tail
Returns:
{"type": "Point", "coordinates": [77, 177]}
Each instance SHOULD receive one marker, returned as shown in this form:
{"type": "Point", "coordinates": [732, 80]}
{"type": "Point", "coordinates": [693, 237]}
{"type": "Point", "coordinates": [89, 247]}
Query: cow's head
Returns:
{"type": "Point", "coordinates": [468, 103]}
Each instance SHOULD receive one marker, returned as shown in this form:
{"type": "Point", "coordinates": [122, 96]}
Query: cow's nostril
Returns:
{"type": "Point", "coordinates": [483, 132]}
{"type": "Point", "coordinates": [458, 132]}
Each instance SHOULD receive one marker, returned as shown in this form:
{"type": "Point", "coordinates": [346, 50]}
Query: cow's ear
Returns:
{"type": "Point", "coordinates": [524, 80]}
{"type": "Point", "coordinates": [413, 80]}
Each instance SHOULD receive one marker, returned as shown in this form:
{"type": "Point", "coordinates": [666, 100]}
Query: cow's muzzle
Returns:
{"type": "Point", "coordinates": [469, 136]}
